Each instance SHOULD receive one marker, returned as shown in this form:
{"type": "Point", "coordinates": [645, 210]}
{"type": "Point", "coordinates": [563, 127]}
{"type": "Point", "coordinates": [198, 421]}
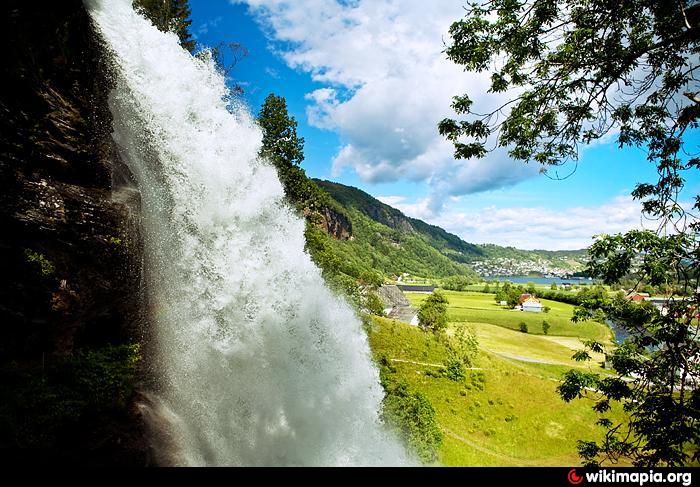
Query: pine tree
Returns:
{"type": "Point", "coordinates": [281, 145]}
{"type": "Point", "coordinates": [169, 16]}
{"type": "Point", "coordinates": [180, 22]}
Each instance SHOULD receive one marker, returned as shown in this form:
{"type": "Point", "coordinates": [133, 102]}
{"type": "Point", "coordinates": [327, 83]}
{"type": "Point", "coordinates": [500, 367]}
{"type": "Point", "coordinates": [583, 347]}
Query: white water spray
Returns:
{"type": "Point", "coordinates": [261, 364]}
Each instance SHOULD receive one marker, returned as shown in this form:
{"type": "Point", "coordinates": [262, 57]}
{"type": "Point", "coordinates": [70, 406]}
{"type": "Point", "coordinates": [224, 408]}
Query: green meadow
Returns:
{"type": "Point", "coordinates": [507, 411]}
{"type": "Point", "coordinates": [475, 307]}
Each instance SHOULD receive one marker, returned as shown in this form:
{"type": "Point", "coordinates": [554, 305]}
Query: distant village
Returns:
{"type": "Point", "coordinates": [519, 267]}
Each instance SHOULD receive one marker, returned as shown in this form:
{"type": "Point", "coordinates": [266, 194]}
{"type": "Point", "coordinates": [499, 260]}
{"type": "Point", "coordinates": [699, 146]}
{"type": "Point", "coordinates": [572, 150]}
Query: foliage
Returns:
{"type": "Point", "coordinates": [39, 262]}
{"type": "Point", "coordinates": [523, 327]}
{"type": "Point", "coordinates": [39, 407]}
{"type": "Point", "coordinates": [280, 144]}
{"type": "Point", "coordinates": [374, 305]}
{"type": "Point", "coordinates": [432, 314]}
{"type": "Point", "coordinates": [457, 283]}
{"type": "Point", "coordinates": [170, 16]}
{"type": "Point", "coordinates": [545, 327]}
{"type": "Point", "coordinates": [454, 370]}
{"type": "Point", "coordinates": [579, 71]}
{"type": "Point", "coordinates": [412, 416]}
{"type": "Point", "coordinates": [510, 294]}
{"type": "Point", "coordinates": [663, 403]}
{"type": "Point", "coordinates": [462, 348]}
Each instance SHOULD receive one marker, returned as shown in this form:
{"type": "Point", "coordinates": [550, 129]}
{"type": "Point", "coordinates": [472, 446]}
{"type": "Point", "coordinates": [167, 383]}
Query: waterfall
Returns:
{"type": "Point", "coordinates": [259, 363]}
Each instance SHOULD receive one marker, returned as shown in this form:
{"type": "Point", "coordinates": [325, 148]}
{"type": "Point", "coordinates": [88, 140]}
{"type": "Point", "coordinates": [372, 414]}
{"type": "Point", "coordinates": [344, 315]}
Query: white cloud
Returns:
{"type": "Point", "coordinates": [211, 24]}
{"type": "Point", "coordinates": [272, 72]}
{"type": "Point", "coordinates": [532, 227]}
{"type": "Point", "coordinates": [392, 200]}
{"type": "Point", "coordinates": [387, 85]}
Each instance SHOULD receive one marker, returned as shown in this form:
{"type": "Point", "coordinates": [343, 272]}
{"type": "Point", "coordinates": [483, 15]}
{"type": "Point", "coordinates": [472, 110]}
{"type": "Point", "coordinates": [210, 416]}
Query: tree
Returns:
{"type": "Point", "coordinates": [553, 287]}
{"type": "Point", "coordinates": [280, 143]}
{"type": "Point", "coordinates": [545, 327]}
{"type": "Point", "coordinates": [574, 72]}
{"type": "Point", "coordinates": [285, 150]}
{"type": "Point", "coordinates": [170, 16]}
{"type": "Point", "coordinates": [432, 314]}
{"type": "Point", "coordinates": [523, 327]}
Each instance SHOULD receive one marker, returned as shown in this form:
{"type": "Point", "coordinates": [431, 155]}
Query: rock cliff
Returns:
{"type": "Point", "coordinates": [71, 302]}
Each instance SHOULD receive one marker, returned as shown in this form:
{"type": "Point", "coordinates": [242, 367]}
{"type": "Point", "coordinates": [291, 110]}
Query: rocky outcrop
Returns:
{"type": "Point", "coordinates": [396, 305]}
{"type": "Point", "coordinates": [70, 298]}
{"type": "Point", "coordinates": [335, 224]}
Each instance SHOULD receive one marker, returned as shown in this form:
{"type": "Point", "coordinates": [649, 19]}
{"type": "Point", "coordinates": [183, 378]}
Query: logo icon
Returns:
{"type": "Point", "coordinates": [573, 477]}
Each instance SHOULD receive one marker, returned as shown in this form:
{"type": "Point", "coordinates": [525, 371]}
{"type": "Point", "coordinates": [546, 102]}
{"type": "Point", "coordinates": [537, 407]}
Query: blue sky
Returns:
{"type": "Point", "coordinates": [367, 82]}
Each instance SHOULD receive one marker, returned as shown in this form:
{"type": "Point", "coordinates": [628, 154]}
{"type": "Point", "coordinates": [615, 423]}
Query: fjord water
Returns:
{"type": "Point", "coordinates": [258, 362]}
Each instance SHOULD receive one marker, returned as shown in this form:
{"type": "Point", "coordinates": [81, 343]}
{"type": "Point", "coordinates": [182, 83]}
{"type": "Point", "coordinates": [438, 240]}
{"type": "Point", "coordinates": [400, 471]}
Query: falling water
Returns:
{"type": "Point", "coordinates": [260, 363]}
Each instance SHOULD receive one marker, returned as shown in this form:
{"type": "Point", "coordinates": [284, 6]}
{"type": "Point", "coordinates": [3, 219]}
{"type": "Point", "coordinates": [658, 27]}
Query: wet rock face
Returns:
{"type": "Point", "coordinates": [70, 272]}
{"type": "Point", "coordinates": [336, 224]}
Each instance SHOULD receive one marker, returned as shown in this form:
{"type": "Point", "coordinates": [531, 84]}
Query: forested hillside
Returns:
{"type": "Point", "coordinates": [447, 244]}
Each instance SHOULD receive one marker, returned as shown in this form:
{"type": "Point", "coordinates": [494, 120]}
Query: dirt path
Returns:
{"type": "Point", "coordinates": [427, 364]}
{"type": "Point", "coordinates": [512, 460]}
{"type": "Point", "coordinates": [520, 358]}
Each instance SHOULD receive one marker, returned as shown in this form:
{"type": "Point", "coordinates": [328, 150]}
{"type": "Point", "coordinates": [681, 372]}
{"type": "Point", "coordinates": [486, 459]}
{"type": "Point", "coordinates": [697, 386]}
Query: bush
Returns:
{"type": "Point", "coordinates": [374, 305]}
{"type": "Point", "coordinates": [432, 314]}
{"type": "Point", "coordinates": [455, 370]}
{"type": "Point", "coordinates": [44, 408]}
{"type": "Point", "coordinates": [412, 416]}
{"type": "Point", "coordinates": [523, 327]}
{"type": "Point", "coordinates": [41, 263]}
{"type": "Point", "coordinates": [545, 327]}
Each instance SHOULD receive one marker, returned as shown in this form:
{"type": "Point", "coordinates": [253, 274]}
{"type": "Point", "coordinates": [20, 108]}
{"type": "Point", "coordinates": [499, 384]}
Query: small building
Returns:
{"type": "Point", "coordinates": [416, 289]}
{"type": "Point", "coordinates": [396, 306]}
{"type": "Point", "coordinates": [524, 297]}
{"type": "Point", "coordinates": [532, 305]}
{"type": "Point", "coordinates": [637, 297]}
{"type": "Point", "coordinates": [503, 303]}
{"type": "Point", "coordinates": [566, 285]}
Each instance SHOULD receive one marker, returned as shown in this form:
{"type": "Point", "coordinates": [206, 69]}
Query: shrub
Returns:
{"type": "Point", "coordinates": [545, 327]}
{"type": "Point", "coordinates": [412, 416]}
{"type": "Point", "coordinates": [454, 370]}
{"type": "Point", "coordinates": [41, 263]}
{"type": "Point", "coordinates": [523, 327]}
{"type": "Point", "coordinates": [374, 305]}
{"type": "Point", "coordinates": [432, 314]}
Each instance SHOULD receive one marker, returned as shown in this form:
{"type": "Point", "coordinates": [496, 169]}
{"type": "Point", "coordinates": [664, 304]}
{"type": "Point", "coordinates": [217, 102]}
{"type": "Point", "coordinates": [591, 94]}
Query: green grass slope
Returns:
{"type": "Point", "coordinates": [507, 411]}
{"type": "Point", "coordinates": [474, 307]}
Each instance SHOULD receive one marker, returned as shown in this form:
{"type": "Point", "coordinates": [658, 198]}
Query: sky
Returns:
{"type": "Point", "coordinates": [368, 81]}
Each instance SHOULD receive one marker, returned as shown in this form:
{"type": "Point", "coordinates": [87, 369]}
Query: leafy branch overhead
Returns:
{"type": "Point", "coordinates": [575, 71]}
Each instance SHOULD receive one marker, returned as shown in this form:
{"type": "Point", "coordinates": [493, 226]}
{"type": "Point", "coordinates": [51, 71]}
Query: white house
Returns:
{"type": "Point", "coordinates": [532, 305]}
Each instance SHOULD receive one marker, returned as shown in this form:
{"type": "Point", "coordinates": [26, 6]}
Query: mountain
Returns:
{"type": "Point", "coordinates": [448, 244]}
{"type": "Point", "coordinates": [449, 254]}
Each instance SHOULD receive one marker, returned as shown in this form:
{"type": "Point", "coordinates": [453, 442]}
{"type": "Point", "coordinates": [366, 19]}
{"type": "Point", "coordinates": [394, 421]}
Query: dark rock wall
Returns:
{"type": "Point", "coordinates": [70, 271]}
{"type": "Point", "coordinates": [335, 223]}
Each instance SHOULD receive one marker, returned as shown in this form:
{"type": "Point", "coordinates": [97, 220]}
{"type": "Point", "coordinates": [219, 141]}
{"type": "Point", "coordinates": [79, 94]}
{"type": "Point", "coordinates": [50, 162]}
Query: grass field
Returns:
{"type": "Point", "coordinates": [473, 307]}
{"type": "Point", "coordinates": [507, 413]}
